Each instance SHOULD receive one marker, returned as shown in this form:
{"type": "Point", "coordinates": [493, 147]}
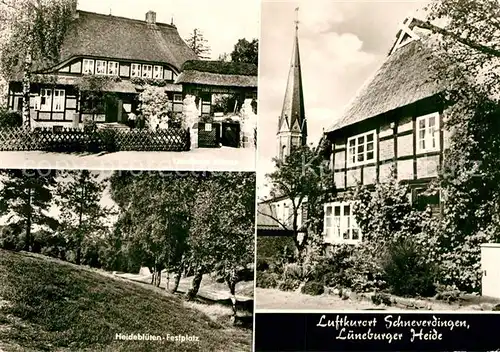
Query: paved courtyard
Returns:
{"type": "Point", "coordinates": [212, 159]}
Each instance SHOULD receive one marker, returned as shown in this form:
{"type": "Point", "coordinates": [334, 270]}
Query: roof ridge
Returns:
{"type": "Point", "coordinates": [161, 24]}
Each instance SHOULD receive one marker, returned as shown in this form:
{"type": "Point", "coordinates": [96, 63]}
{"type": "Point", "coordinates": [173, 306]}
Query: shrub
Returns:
{"type": "Point", "coordinates": [313, 288]}
{"type": "Point", "coordinates": [294, 272]}
{"type": "Point", "coordinates": [381, 298]}
{"type": "Point", "coordinates": [288, 285]}
{"type": "Point", "coordinates": [407, 271]}
{"type": "Point", "coordinates": [349, 266]}
{"type": "Point", "coordinates": [262, 264]}
{"type": "Point", "coordinates": [10, 118]}
{"type": "Point", "coordinates": [266, 279]}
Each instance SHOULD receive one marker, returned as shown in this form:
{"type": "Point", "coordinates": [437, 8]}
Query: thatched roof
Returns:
{"type": "Point", "coordinates": [221, 67]}
{"type": "Point", "coordinates": [404, 78]}
{"type": "Point", "coordinates": [218, 73]}
{"type": "Point", "coordinates": [105, 36]}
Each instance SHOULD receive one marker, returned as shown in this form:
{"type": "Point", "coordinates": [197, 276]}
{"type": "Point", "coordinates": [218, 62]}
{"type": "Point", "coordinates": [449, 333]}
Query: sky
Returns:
{"type": "Point", "coordinates": [342, 44]}
{"type": "Point", "coordinates": [211, 17]}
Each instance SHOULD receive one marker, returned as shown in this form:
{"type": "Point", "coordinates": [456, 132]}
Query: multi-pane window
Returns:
{"type": "Point", "coordinates": [59, 99]}
{"type": "Point", "coordinates": [136, 70]}
{"type": "Point", "coordinates": [428, 132]}
{"type": "Point", "coordinates": [100, 67]}
{"type": "Point", "coordinates": [339, 224]}
{"type": "Point", "coordinates": [88, 66]}
{"type": "Point", "coordinates": [158, 72]}
{"type": "Point", "coordinates": [45, 99]}
{"type": "Point", "coordinates": [113, 68]}
{"type": "Point", "coordinates": [147, 71]}
{"type": "Point", "coordinates": [361, 149]}
{"type": "Point", "coordinates": [178, 98]}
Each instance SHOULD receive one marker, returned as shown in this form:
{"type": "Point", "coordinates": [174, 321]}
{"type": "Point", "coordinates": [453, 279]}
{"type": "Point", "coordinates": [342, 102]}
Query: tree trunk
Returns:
{"type": "Point", "coordinates": [27, 243]}
{"type": "Point", "coordinates": [231, 283]}
{"type": "Point", "coordinates": [26, 92]}
{"type": "Point", "coordinates": [80, 235]}
{"type": "Point", "coordinates": [195, 284]}
{"type": "Point", "coordinates": [158, 276]}
{"type": "Point", "coordinates": [177, 278]}
{"type": "Point", "coordinates": [151, 270]}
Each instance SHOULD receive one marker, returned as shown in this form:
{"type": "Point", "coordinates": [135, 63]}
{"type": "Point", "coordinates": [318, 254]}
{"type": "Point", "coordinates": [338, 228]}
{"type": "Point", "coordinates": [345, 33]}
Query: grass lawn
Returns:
{"type": "Point", "coordinates": [49, 305]}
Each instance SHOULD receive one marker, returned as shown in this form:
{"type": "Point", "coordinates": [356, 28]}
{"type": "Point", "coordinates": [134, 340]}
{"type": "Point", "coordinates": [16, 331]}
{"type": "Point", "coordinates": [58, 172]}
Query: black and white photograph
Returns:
{"type": "Point", "coordinates": [129, 84]}
{"type": "Point", "coordinates": [126, 260]}
{"type": "Point", "coordinates": [377, 172]}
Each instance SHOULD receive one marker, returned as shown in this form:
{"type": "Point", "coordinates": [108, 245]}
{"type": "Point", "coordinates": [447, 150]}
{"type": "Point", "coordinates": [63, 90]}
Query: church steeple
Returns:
{"type": "Point", "coordinates": [292, 126]}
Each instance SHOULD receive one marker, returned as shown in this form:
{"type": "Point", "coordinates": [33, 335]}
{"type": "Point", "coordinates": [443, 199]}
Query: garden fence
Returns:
{"type": "Point", "coordinates": [94, 141]}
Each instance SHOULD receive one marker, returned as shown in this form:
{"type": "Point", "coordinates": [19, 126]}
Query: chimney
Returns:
{"type": "Point", "coordinates": [151, 17]}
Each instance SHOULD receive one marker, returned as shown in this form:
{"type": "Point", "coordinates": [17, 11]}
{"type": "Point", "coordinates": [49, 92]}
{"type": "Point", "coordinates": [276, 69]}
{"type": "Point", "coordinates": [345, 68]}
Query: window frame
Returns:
{"type": "Point", "coordinates": [160, 72]}
{"type": "Point", "coordinates": [47, 107]}
{"type": "Point", "coordinates": [60, 96]}
{"type": "Point", "coordinates": [116, 66]}
{"type": "Point", "coordinates": [135, 68]}
{"type": "Point", "coordinates": [428, 133]}
{"type": "Point", "coordinates": [365, 152]}
{"type": "Point", "coordinates": [177, 98]}
{"type": "Point", "coordinates": [104, 64]}
{"type": "Point", "coordinates": [147, 71]}
{"type": "Point", "coordinates": [88, 62]}
{"type": "Point", "coordinates": [341, 224]}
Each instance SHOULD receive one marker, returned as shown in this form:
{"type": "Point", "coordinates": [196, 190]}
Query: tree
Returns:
{"type": "Point", "coordinates": [224, 57]}
{"type": "Point", "coordinates": [32, 32]}
{"type": "Point", "coordinates": [25, 198]}
{"type": "Point", "coordinates": [154, 105]}
{"type": "Point", "coordinates": [199, 44]}
{"type": "Point", "coordinates": [305, 180]}
{"type": "Point", "coordinates": [221, 239]}
{"type": "Point", "coordinates": [155, 216]}
{"type": "Point", "coordinates": [245, 51]}
{"type": "Point", "coordinates": [467, 38]}
{"type": "Point", "coordinates": [79, 195]}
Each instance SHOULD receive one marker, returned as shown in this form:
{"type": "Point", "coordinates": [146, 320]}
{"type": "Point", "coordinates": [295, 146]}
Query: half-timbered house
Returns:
{"type": "Point", "coordinates": [393, 127]}
{"type": "Point", "coordinates": [119, 52]}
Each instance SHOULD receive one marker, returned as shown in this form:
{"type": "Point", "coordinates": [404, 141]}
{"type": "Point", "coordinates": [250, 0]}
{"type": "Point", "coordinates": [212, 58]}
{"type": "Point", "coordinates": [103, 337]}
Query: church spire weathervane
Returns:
{"type": "Point", "coordinates": [297, 19]}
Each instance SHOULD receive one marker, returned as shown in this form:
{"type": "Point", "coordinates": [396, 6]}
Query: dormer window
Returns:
{"type": "Point", "coordinates": [113, 68]}
{"type": "Point", "coordinates": [158, 72]}
{"type": "Point", "coordinates": [147, 71]}
{"type": "Point", "coordinates": [100, 67]}
{"type": "Point", "coordinates": [136, 70]}
{"type": "Point", "coordinates": [88, 67]}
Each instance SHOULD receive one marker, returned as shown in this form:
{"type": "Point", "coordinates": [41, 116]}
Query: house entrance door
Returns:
{"type": "Point", "coordinates": [111, 103]}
